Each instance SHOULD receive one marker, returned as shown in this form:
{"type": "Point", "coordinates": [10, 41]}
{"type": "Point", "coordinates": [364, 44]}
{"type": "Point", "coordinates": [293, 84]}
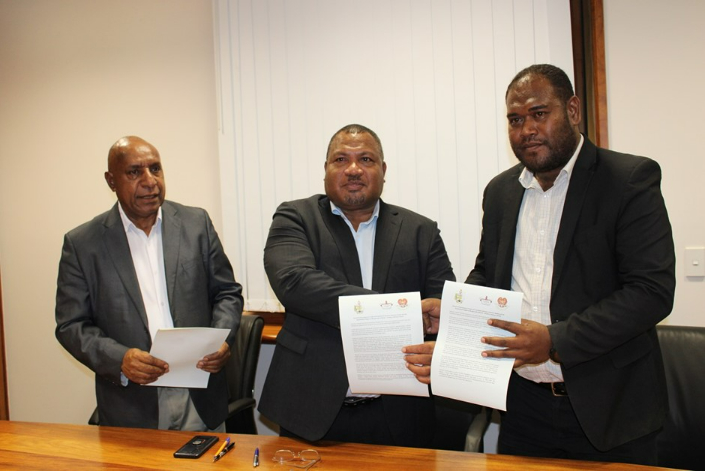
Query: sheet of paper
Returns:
{"type": "Point", "coordinates": [458, 370]}
{"type": "Point", "coordinates": [182, 348]}
{"type": "Point", "coordinates": [374, 329]}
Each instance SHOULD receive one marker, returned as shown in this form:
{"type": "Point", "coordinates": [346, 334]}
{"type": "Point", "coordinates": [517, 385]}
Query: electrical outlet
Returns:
{"type": "Point", "coordinates": [695, 261]}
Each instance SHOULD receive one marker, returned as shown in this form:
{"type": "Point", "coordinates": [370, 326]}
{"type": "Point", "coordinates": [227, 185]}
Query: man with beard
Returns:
{"type": "Point", "coordinates": [583, 232]}
{"type": "Point", "coordinates": [346, 242]}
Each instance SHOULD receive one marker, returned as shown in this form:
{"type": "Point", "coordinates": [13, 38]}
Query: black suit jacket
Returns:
{"type": "Point", "coordinates": [100, 313]}
{"type": "Point", "coordinates": [613, 281]}
{"type": "Point", "coordinates": [311, 260]}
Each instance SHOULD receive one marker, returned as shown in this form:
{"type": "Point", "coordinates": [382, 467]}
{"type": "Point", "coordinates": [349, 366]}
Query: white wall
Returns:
{"type": "Point", "coordinates": [655, 69]}
{"type": "Point", "coordinates": [75, 75]}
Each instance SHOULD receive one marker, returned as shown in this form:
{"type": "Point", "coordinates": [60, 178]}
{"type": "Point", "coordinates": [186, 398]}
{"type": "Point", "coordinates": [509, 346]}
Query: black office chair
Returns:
{"type": "Point", "coordinates": [460, 426]}
{"type": "Point", "coordinates": [240, 372]}
{"type": "Point", "coordinates": [680, 443]}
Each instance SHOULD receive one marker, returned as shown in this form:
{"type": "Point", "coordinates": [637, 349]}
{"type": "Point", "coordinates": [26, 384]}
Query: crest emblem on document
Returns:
{"type": "Point", "coordinates": [459, 296]}
{"type": "Point", "coordinates": [502, 302]}
{"type": "Point", "coordinates": [486, 301]}
{"type": "Point", "coordinates": [386, 305]}
{"type": "Point", "coordinates": [402, 303]}
{"type": "Point", "coordinates": [358, 308]}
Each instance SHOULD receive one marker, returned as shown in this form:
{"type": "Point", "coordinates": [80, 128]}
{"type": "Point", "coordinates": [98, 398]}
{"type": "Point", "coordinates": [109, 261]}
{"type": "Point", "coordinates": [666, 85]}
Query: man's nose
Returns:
{"type": "Point", "coordinates": [528, 128]}
{"type": "Point", "coordinates": [353, 168]}
{"type": "Point", "coordinates": [147, 178]}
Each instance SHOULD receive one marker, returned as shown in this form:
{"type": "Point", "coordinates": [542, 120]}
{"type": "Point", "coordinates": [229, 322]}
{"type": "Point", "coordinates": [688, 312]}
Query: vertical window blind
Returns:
{"type": "Point", "coordinates": [429, 77]}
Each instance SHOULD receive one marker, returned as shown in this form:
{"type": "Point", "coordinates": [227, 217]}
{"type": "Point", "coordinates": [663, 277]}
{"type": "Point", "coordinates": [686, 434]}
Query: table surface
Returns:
{"type": "Point", "coordinates": [27, 445]}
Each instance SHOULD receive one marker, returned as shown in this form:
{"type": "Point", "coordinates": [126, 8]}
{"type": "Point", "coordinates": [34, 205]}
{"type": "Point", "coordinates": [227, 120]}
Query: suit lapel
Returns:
{"type": "Point", "coordinates": [582, 173]}
{"type": "Point", "coordinates": [507, 234]}
{"type": "Point", "coordinates": [388, 228]}
{"type": "Point", "coordinates": [344, 241]}
{"type": "Point", "coordinates": [118, 249]}
{"type": "Point", "coordinates": [171, 242]}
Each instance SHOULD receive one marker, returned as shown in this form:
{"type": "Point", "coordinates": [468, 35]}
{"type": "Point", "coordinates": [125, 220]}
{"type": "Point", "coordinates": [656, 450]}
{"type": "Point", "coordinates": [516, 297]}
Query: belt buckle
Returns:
{"type": "Point", "coordinates": [558, 389]}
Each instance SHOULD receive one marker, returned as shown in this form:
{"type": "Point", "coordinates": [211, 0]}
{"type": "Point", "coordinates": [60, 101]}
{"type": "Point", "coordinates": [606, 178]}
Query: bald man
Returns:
{"type": "Point", "coordinates": [144, 265]}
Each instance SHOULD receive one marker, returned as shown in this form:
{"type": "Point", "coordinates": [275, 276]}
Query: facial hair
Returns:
{"type": "Point", "coordinates": [355, 199]}
{"type": "Point", "coordinates": [560, 149]}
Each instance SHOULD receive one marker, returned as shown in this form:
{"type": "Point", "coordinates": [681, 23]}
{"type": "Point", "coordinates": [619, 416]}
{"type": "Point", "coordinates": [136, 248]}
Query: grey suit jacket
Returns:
{"type": "Point", "coordinates": [613, 281]}
{"type": "Point", "coordinates": [100, 313]}
{"type": "Point", "coordinates": [311, 260]}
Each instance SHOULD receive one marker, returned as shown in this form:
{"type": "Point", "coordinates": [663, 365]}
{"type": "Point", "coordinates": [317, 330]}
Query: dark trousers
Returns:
{"type": "Point", "coordinates": [365, 423]}
{"type": "Point", "coordinates": [537, 423]}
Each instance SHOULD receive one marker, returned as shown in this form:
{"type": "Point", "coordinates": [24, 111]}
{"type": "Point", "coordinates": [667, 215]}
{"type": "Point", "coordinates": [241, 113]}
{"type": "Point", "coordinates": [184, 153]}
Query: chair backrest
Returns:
{"type": "Point", "coordinates": [242, 365]}
{"type": "Point", "coordinates": [680, 443]}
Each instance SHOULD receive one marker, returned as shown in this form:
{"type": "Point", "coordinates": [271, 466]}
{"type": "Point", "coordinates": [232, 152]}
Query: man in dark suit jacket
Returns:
{"type": "Point", "coordinates": [583, 232]}
{"type": "Point", "coordinates": [311, 259]}
{"type": "Point", "coordinates": [108, 306]}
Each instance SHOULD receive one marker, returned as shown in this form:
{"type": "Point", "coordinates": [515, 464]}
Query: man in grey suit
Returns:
{"type": "Point", "coordinates": [348, 242]}
{"type": "Point", "coordinates": [583, 233]}
{"type": "Point", "coordinates": [145, 264]}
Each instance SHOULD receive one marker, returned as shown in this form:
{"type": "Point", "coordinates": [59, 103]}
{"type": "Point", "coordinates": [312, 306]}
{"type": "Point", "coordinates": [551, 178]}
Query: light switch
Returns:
{"type": "Point", "coordinates": [695, 261]}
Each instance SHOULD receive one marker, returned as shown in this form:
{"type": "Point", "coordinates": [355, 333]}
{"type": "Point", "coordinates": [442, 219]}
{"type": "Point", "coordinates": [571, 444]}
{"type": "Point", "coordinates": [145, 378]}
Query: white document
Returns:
{"type": "Point", "coordinates": [458, 369]}
{"type": "Point", "coordinates": [374, 328]}
{"type": "Point", "coordinates": [182, 348]}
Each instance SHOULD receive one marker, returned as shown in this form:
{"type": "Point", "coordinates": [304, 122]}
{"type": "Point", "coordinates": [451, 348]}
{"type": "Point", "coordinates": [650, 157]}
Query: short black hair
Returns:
{"type": "Point", "coordinates": [356, 129]}
{"type": "Point", "coordinates": [555, 76]}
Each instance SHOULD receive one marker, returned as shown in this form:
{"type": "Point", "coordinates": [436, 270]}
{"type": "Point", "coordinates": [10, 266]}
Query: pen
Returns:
{"type": "Point", "coordinates": [225, 443]}
{"type": "Point", "coordinates": [255, 460]}
{"type": "Point", "coordinates": [225, 450]}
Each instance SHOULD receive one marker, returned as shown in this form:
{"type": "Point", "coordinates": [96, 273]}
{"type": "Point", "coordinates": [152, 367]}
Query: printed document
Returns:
{"type": "Point", "coordinates": [182, 348]}
{"type": "Point", "coordinates": [458, 370]}
{"type": "Point", "coordinates": [374, 328]}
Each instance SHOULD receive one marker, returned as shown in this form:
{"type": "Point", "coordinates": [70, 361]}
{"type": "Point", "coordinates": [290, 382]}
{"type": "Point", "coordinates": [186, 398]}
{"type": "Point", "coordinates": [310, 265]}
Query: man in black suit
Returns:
{"type": "Point", "coordinates": [348, 242]}
{"type": "Point", "coordinates": [583, 232]}
{"type": "Point", "coordinates": [145, 264]}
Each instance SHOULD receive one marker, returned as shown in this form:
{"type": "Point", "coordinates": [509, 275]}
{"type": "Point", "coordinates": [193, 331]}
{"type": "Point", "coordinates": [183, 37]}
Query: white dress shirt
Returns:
{"type": "Point", "coordinates": [365, 244]}
{"type": "Point", "coordinates": [532, 268]}
{"type": "Point", "coordinates": [148, 258]}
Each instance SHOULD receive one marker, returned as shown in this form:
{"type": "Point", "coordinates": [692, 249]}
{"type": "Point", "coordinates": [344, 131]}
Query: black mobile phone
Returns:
{"type": "Point", "coordinates": [195, 447]}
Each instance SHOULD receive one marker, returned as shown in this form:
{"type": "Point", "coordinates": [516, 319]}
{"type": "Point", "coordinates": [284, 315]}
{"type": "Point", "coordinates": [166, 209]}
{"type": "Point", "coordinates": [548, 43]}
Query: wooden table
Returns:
{"type": "Point", "coordinates": [37, 446]}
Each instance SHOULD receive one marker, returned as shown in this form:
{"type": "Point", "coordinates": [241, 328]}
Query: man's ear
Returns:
{"type": "Point", "coordinates": [573, 110]}
{"type": "Point", "coordinates": [110, 180]}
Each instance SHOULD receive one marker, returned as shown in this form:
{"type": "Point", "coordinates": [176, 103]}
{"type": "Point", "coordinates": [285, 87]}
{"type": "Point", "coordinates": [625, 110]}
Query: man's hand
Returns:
{"type": "Point", "coordinates": [529, 347]}
{"type": "Point", "coordinates": [142, 368]}
{"type": "Point", "coordinates": [431, 311]}
{"type": "Point", "coordinates": [418, 360]}
{"type": "Point", "coordinates": [213, 362]}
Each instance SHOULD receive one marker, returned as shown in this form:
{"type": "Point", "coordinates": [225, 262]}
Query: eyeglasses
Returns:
{"type": "Point", "coordinates": [303, 459]}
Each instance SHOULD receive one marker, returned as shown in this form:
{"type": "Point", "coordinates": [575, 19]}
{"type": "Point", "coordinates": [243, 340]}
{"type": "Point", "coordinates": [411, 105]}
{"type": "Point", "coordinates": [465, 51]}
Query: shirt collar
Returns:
{"type": "Point", "coordinates": [526, 177]}
{"type": "Point", "coordinates": [127, 224]}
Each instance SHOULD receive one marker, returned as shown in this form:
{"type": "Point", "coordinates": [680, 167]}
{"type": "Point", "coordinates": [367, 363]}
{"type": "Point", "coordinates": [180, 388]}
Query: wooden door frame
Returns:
{"type": "Point", "coordinates": [588, 28]}
{"type": "Point", "coordinates": [4, 404]}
